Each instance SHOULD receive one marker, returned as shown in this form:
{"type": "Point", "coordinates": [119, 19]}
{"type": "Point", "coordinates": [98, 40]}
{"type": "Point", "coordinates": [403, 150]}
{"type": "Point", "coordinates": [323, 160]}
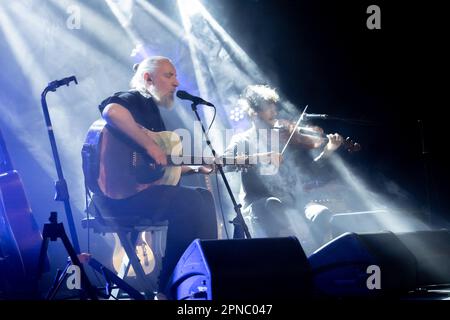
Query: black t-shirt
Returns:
{"type": "Point", "coordinates": [144, 110]}
{"type": "Point", "coordinates": [146, 113]}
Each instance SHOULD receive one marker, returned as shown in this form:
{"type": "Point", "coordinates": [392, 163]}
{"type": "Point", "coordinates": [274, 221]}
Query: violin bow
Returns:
{"type": "Point", "coordinates": [293, 131]}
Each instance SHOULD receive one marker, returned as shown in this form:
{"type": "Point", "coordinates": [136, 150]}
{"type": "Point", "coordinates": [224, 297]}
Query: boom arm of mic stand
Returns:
{"type": "Point", "coordinates": [237, 207]}
{"type": "Point", "coordinates": [355, 121]}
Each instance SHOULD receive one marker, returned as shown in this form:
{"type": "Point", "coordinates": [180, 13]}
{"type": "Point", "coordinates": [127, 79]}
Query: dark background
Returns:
{"type": "Point", "coordinates": [322, 54]}
{"type": "Point", "coordinates": [317, 53]}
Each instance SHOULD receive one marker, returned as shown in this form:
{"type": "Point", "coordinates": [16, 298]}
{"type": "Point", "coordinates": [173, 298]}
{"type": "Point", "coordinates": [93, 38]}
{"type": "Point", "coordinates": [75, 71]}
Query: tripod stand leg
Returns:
{"type": "Point", "coordinates": [42, 255]}
{"type": "Point", "coordinates": [86, 284]}
{"type": "Point", "coordinates": [60, 275]}
{"type": "Point", "coordinates": [52, 231]}
{"type": "Point", "coordinates": [133, 293]}
{"type": "Point", "coordinates": [122, 273]}
{"type": "Point", "coordinates": [59, 279]}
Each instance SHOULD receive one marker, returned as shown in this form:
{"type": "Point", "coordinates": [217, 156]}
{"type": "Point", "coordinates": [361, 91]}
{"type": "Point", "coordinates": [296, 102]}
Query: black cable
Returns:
{"type": "Point", "coordinates": [212, 121]}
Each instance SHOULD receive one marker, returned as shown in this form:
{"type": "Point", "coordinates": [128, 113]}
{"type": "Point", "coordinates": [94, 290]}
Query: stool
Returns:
{"type": "Point", "coordinates": [128, 231]}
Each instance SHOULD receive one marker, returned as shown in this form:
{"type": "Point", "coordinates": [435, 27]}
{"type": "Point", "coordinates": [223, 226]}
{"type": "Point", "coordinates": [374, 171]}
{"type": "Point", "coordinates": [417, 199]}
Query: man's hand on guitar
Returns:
{"type": "Point", "coordinates": [206, 169]}
{"type": "Point", "coordinates": [157, 154]}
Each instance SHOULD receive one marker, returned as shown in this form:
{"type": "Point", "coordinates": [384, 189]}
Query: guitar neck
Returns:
{"type": "Point", "coordinates": [194, 160]}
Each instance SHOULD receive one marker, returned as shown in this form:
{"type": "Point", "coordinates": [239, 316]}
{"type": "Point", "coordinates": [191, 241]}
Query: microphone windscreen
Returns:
{"type": "Point", "coordinates": [183, 94]}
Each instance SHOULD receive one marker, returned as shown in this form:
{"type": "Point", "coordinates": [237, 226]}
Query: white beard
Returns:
{"type": "Point", "coordinates": [166, 101]}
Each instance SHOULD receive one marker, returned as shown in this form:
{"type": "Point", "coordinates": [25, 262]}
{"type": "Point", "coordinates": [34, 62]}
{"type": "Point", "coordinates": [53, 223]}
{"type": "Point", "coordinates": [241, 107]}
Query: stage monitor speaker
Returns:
{"type": "Point", "coordinates": [270, 268]}
{"type": "Point", "coordinates": [357, 222]}
{"type": "Point", "coordinates": [382, 263]}
{"type": "Point", "coordinates": [431, 250]}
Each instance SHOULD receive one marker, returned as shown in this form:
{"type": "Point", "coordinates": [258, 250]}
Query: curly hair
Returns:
{"type": "Point", "coordinates": [254, 97]}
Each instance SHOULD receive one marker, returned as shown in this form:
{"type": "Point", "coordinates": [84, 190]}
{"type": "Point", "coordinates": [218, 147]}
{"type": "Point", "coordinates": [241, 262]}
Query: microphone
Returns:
{"type": "Point", "coordinates": [58, 83]}
{"type": "Point", "coordinates": [196, 100]}
{"type": "Point", "coordinates": [315, 116]}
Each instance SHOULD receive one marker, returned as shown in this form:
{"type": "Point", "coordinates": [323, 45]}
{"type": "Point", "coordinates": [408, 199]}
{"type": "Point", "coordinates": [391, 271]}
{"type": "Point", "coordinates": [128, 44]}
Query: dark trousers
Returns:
{"type": "Point", "coordinates": [190, 213]}
{"type": "Point", "coordinates": [271, 217]}
{"type": "Point", "coordinates": [268, 217]}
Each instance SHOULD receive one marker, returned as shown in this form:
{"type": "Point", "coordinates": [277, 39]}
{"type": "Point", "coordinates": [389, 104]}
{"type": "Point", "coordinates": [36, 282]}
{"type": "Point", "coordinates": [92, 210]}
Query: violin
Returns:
{"type": "Point", "coordinates": [309, 137]}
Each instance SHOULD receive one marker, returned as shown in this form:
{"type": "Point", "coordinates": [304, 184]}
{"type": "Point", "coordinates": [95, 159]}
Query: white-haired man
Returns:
{"type": "Point", "coordinates": [190, 211]}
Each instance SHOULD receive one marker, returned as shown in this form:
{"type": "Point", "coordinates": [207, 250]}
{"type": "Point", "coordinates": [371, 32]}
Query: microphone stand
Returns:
{"type": "Point", "coordinates": [62, 193]}
{"type": "Point", "coordinates": [55, 230]}
{"type": "Point", "coordinates": [240, 227]}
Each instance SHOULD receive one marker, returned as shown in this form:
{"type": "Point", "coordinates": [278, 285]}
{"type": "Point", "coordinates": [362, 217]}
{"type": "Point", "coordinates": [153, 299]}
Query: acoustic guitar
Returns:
{"type": "Point", "coordinates": [21, 237]}
{"type": "Point", "coordinates": [118, 168]}
{"type": "Point", "coordinates": [144, 253]}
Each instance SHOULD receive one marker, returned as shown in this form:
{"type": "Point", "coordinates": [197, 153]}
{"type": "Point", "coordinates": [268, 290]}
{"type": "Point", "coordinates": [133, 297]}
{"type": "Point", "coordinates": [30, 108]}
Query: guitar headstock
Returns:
{"type": "Point", "coordinates": [351, 146]}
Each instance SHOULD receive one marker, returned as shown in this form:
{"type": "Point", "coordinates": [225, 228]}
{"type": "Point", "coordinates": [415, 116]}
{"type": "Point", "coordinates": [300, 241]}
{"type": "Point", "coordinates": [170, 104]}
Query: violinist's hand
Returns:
{"type": "Point", "coordinates": [334, 142]}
